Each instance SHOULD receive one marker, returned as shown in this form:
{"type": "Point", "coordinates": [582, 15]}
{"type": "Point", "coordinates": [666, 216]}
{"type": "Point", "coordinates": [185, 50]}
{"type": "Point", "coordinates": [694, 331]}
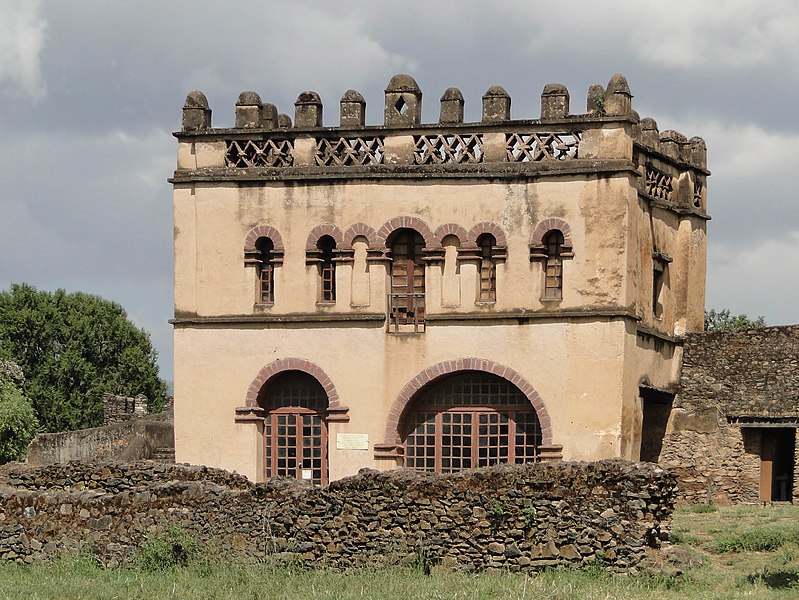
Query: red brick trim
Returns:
{"type": "Point", "coordinates": [409, 223]}
{"type": "Point", "coordinates": [320, 230]}
{"type": "Point", "coordinates": [281, 365]}
{"type": "Point", "coordinates": [431, 374]}
{"type": "Point", "coordinates": [548, 225]}
{"type": "Point", "coordinates": [263, 231]}
{"type": "Point", "coordinates": [357, 229]}
{"type": "Point", "coordinates": [443, 231]}
{"type": "Point", "coordinates": [488, 227]}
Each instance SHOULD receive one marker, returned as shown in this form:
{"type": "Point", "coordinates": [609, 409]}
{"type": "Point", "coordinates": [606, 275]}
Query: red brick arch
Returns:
{"type": "Point", "coordinates": [263, 231]}
{"type": "Point", "coordinates": [281, 365]}
{"type": "Point", "coordinates": [361, 229]}
{"type": "Point", "coordinates": [409, 223]}
{"type": "Point", "coordinates": [323, 229]}
{"type": "Point", "coordinates": [437, 371]}
{"type": "Point", "coordinates": [443, 231]}
{"type": "Point", "coordinates": [548, 225]}
{"type": "Point", "coordinates": [488, 227]}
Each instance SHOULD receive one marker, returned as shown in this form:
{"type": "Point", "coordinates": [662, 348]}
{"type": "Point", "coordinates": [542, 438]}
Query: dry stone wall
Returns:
{"type": "Point", "coordinates": [517, 517]}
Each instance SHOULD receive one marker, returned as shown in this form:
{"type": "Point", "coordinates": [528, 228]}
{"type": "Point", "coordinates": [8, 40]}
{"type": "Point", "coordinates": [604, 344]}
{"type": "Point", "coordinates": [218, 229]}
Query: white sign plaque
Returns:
{"type": "Point", "coordinates": [352, 441]}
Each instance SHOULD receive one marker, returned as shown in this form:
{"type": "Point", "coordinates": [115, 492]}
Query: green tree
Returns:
{"type": "Point", "coordinates": [73, 348]}
{"type": "Point", "coordinates": [722, 320]}
{"type": "Point", "coordinates": [18, 423]}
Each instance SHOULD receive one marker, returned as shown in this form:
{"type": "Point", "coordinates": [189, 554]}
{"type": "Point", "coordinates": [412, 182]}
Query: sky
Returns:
{"type": "Point", "coordinates": [91, 90]}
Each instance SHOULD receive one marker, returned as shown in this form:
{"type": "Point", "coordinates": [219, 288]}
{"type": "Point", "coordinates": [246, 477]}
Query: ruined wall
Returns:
{"type": "Point", "coordinates": [127, 441]}
{"type": "Point", "coordinates": [729, 377]}
{"type": "Point", "coordinates": [519, 517]}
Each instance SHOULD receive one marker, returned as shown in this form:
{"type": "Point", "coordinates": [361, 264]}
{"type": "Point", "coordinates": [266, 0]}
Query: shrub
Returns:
{"type": "Point", "coordinates": [18, 423]}
{"type": "Point", "coordinates": [166, 550]}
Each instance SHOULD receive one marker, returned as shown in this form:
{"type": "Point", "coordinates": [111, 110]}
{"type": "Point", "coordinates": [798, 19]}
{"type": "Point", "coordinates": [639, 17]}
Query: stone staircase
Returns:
{"type": "Point", "coordinates": [164, 454]}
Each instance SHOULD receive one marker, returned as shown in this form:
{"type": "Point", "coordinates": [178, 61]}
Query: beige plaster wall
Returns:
{"type": "Point", "coordinates": [212, 221]}
{"type": "Point", "coordinates": [576, 367]}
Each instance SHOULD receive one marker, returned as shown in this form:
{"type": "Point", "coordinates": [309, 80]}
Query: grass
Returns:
{"type": "Point", "coordinates": [744, 552]}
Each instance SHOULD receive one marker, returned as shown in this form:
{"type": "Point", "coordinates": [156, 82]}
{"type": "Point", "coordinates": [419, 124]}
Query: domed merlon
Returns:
{"type": "Point", "coordinates": [554, 101]}
{"type": "Point", "coordinates": [595, 100]}
{"type": "Point", "coordinates": [269, 116]}
{"type": "Point", "coordinates": [403, 106]}
{"type": "Point", "coordinates": [352, 109]}
{"type": "Point", "coordinates": [671, 144]}
{"type": "Point", "coordinates": [698, 152]}
{"type": "Point", "coordinates": [402, 83]}
{"type": "Point", "coordinates": [283, 121]}
{"type": "Point", "coordinates": [618, 99]}
{"type": "Point", "coordinates": [451, 106]}
{"type": "Point", "coordinates": [496, 105]}
{"type": "Point", "coordinates": [196, 114]}
{"type": "Point", "coordinates": [650, 136]}
{"type": "Point", "coordinates": [249, 112]}
{"type": "Point", "coordinates": [308, 110]}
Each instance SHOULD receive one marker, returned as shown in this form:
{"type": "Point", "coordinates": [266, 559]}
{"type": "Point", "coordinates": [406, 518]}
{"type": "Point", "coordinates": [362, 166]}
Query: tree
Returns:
{"type": "Point", "coordinates": [73, 348]}
{"type": "Point", "coordinates": [722, 320]}
{"type": "Point", "coordinates": [18, 423]}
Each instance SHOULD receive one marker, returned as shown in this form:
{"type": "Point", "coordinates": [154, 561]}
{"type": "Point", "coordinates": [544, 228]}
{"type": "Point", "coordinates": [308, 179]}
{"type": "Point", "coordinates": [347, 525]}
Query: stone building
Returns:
{"type": "Point", "coordinates": [731, 436]}
{"type": "Point", "coordinates": [436, 296]}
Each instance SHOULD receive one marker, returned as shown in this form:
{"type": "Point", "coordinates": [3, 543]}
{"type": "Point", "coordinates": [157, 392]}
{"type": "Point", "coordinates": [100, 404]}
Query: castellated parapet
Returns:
{"type": "Point", "coordinates": [671, 168]}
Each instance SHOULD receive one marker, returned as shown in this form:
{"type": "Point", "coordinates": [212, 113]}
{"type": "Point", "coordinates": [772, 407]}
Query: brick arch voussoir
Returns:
{"type": "Point", "coordinates": [406, 223]}
{"type": "Point", "coordinates": [446, 229]}
{"type": "Point", "coordinates": [282, 365]}
{"type": "Point", "coordinates": [360, 229]}
{"type": "Point", "coordinates": [548, 225]}
{"type": "Point", "coordinates": [415, 385]}
{"type": "Point", "coordinates": [488, 227]}
{"type": "Point", "coordinates": [263, 231]}
{"type": "Point", "coordinates": [324, 229]}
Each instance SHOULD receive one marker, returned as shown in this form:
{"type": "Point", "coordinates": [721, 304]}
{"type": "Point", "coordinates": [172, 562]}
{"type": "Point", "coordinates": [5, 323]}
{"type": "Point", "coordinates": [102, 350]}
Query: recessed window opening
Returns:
{"type": "Point", "coordinates": [327, 269]}
{"type": "Point", "coordinates": [266, 271]}
{"type": "Point", "coordinates": [488, 272]}
{"type": "Point", "coordinates": [553, 274]}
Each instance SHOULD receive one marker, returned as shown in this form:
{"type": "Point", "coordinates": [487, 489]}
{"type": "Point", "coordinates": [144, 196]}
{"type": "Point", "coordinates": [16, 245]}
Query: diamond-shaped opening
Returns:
{"type": "Point", "coordinates": [401, 106]}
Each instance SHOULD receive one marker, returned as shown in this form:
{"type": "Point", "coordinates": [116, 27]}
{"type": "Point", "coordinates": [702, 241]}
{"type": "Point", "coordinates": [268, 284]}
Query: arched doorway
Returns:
{"type": "Point", "coordinates": [295, 428]}
{"type": "Point", "coordinates": [470, 419]}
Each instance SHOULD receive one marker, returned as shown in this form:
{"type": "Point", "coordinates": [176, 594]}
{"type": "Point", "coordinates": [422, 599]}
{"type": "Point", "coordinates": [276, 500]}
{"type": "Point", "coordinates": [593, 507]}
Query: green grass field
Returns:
{"type": "Point", "coordinates": [737, 552]}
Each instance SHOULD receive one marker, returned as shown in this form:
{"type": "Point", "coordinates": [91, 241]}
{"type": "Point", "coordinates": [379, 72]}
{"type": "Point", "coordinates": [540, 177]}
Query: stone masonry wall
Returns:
{"type": "Point", "coordinates": [727, 377]}
{"type": "Point", "coordinates": [517, 517]}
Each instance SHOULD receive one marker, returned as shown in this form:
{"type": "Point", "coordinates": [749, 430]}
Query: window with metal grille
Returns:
{"type": "Point", "coordinates": [295, 431]}
{"type": "Point", "coordinates": [327, 269]}
{"type": "Point", "coordinates": [266, 271]}
{"type": "Point", "coordinates": [488, 273]}
{"type": "Point", "coordinates": [471, 419]}
{"type": "Point", "coordinates": [553, 283]}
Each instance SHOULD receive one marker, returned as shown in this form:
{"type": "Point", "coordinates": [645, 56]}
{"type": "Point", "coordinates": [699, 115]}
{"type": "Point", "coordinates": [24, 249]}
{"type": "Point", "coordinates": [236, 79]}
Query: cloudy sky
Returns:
{"type": "Point", "coordinates": [91, 90]}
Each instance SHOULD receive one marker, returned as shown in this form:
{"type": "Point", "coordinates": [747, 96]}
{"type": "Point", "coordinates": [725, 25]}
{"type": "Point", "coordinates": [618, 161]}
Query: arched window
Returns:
{"type": "Point", "coordinates": [407, 279]}
{"type": "Point", "coordinates": [553, 271]}
{"type": "Point", "coordinates": [470, 419]}
{"type": "Point", "coordinates": [266, 270]}
{"type": "Point", "coordinates": [295, 431]}
{"type": "Point", "coordinates": [327, 269]}
{"type": "Point", "coordinates": [488, 268]}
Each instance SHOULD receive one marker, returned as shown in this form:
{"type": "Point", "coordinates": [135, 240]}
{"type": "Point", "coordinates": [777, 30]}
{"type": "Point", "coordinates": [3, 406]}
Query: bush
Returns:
{"type": "Point", "coordinates": [18, 423]}
{"type": "Point", "coordinates": [166, 550]}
